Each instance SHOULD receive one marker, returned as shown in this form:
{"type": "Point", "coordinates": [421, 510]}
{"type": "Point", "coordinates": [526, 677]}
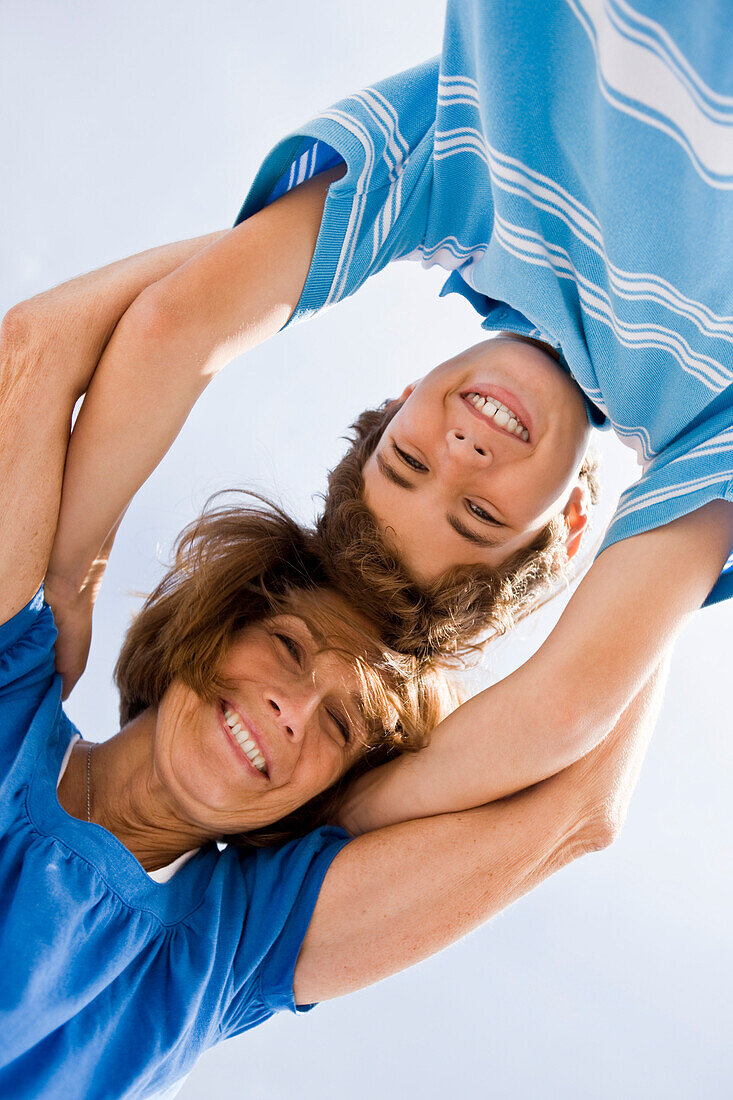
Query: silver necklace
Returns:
{"type": "Point", "coordinates": [89, 782]}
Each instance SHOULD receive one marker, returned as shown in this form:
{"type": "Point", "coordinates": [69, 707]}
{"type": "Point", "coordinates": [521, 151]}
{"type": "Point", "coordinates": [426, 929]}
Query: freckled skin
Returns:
{"type": "Point", "coordinates": [467, 462]}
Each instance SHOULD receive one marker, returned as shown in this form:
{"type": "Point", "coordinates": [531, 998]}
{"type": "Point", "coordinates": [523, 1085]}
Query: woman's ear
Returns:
{"type": "Point", "coordinates": [576, 519]}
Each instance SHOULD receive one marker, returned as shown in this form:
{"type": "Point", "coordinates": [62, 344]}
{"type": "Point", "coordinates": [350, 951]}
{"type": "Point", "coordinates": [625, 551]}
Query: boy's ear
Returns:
{"type": "Point", "coordinates": [404, 395]}
{"type": "Point", "coordinates": [576, 519]}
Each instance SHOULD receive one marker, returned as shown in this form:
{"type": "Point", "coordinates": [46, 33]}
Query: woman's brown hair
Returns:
{"type": "Point", "coordinates": [237, 565]}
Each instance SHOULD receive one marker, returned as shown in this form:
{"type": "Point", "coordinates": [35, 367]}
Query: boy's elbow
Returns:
{"type": "Point", "coordinates": [582, 720]}
{"type": "Point", "coordinates": [574, 734]}
{"type": "Point", "coordinates": [156, 317]}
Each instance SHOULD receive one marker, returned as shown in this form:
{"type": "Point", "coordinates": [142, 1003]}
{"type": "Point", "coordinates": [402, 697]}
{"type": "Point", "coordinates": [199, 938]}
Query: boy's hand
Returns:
{"type": "Point", "coordinates": [72, 612]}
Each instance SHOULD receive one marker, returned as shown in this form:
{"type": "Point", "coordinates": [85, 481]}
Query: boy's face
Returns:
{"type": "Point", "coordinates": [455, 481]}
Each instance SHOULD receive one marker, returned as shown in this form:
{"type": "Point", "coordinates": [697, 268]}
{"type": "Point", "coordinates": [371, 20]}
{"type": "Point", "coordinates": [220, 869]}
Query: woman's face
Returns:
{"type": "Point", "coordinates": [286, 727]}
{"type": "Point", "coordinates": [456, 466]}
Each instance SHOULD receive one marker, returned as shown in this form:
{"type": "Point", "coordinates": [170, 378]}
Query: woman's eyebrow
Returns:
{"type": "Point", "coordinates": [313, 636]}
{"type": "Point", "coordinates": [359, 709]}
{"type": "Point", "coordinates": [391, 474]}
{"type": "Point", "coordinates": [471, 536]}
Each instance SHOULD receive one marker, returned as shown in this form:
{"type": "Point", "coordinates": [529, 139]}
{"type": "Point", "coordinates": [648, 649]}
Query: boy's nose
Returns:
{"type": "Point", "coordinates": [467, 447]}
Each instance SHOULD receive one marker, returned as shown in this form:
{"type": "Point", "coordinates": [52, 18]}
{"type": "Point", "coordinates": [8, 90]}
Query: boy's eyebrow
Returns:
{"type": "Point", "coordinates": [391, 474]}
{"type": "Point", "coordinates": [471, 536]}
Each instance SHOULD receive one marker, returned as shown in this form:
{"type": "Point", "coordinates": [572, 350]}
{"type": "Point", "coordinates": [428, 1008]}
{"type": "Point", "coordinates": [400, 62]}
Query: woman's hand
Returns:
{"type": "Point", "coordinates": [72, 612]}
{"type": "Point", "coordinates": [606, 777]}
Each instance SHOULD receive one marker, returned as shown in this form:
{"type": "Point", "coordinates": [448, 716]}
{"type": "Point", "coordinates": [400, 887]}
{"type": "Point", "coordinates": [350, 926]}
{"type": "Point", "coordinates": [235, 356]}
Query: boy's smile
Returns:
{"type": "Point", "coordinates": [485, 451]}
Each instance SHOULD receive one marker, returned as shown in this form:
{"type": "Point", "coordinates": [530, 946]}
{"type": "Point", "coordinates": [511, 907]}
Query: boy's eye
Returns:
{"type": "Point", "coordinates": [480, 513]}
{"type": "Point", "coordinates": [408, 460]}
{"type": "Point", "coordinates": [294, 648]}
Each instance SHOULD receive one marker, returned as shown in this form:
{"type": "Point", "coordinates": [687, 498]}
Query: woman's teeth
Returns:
{"type": "Point", "coordinates": [502, 416]}
{"type": "Point", "coordinates": [243, 739]}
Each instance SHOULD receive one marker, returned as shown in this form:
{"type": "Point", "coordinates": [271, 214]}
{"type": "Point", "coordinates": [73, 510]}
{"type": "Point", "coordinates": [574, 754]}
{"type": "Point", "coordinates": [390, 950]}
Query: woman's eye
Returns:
{"type": "Point", "coordinates": [294, 648]}
{"type": "Point", "coordinates": [408, 460]}
{"type": "Point", "coordinates": [479, 512]}
{"type": "Point", "coordinates": [341, 724]}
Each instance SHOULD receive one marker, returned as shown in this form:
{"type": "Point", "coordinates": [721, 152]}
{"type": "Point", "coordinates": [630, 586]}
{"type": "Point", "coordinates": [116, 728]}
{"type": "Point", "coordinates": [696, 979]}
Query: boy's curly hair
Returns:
{"type": "Point", "coordinates": [239, 564]}
{"type": "Point", "coordinates": [443, 619]}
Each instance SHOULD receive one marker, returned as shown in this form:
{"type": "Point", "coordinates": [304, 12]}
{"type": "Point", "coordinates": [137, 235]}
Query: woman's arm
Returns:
{"type": "Point", "coordinates": [175, 335]}
{"type": "Point", "coordinates": [49, 348]}
{"type": "Point", "coordinates": [34, 429]}
{"type": "Point", "coordinates": [399, 894]}
{"type": "Point", "coordinates": [560, 704]}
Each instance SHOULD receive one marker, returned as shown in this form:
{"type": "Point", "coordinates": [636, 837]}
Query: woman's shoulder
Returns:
{"type": "Point", "coordinates": [27, 645]}
{"type": "Point", "coordinates": [26, 679]}
{"type": "Point", "coordinates": [269, 882]}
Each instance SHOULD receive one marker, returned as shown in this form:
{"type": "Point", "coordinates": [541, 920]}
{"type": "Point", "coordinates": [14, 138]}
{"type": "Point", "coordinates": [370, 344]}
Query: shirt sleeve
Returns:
{"type": "Point", "coordinates": [27, 648]}
{"type": "Point", "coordinates": [26, 673]}
{"type": "Point", "coordinates": [282, 888]}
{"type": "Point", "coordinates": [378, 210]}
{"type": "Point", "coordinates": [695, 470]}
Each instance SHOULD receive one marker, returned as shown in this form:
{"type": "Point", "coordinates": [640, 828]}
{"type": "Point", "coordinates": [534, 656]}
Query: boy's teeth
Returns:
{"type": "Point", "coordinates": [502, 416]}
{"type": "Point", "coordinates": [243, 739]}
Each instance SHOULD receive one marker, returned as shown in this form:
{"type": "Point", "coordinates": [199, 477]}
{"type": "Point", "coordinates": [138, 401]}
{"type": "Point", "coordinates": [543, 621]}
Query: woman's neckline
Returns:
{"type": "Point", "coordinates": [161, 874]}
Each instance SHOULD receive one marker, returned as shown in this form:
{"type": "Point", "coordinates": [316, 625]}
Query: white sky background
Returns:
{"type": "Point", "coordinates": [126, 125]}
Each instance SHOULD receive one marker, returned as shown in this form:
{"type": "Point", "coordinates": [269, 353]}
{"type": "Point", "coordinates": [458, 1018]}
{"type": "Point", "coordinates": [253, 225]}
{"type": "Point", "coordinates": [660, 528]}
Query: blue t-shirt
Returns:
{"type": "Point", "coordinates": [113, 984]}
{"type": "Point", "coordinates": [571, 163]}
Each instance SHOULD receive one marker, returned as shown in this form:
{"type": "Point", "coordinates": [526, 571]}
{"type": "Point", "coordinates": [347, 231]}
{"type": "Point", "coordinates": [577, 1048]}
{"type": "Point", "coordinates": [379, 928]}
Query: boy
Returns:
{"type": "Point", "coordinates": [546, 186]}
{"type": "Point", "coordinates": [518, 235]}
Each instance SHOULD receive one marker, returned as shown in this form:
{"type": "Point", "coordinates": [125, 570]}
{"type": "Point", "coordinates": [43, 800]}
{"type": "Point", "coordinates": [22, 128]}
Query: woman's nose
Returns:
{"type": "Point", "coordinates": [291, 711]}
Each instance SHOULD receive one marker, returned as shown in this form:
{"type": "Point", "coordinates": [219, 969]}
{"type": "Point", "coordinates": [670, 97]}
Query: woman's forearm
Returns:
{"type": "Point", "coordinates": [49, 349]}
{"type": "Point", "coordinates": [66, 329]}
{"type": "Point", "coordinates": [54, 341]}
{"type": "Point", "coordinates": [224, 300]}
{"type": "Point", "coordinates": [561, 704]}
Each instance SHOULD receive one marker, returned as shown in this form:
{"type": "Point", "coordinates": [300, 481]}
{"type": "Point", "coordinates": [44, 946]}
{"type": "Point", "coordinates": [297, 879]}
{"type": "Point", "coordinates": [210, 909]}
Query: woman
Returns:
{"type": "Point", "coordinates": [114, 983]}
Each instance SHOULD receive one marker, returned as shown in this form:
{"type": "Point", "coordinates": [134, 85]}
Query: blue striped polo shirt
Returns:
{"type": "Point", "coordinates": [570, 164]}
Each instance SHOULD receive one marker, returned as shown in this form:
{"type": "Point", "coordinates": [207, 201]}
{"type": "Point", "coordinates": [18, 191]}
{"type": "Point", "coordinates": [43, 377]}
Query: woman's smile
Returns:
{"type": "Point", "coordinates": [245, 743]}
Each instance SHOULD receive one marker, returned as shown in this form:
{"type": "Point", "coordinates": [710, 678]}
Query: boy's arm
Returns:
{"type": "Point", "coordinates": [175, 336]}
{"type": "Point", "coordinates": [399, 894]}
{"type": "Point", "coordinates": [559, 705]}
{"type": "Point", "coordinates": [181, 329]}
